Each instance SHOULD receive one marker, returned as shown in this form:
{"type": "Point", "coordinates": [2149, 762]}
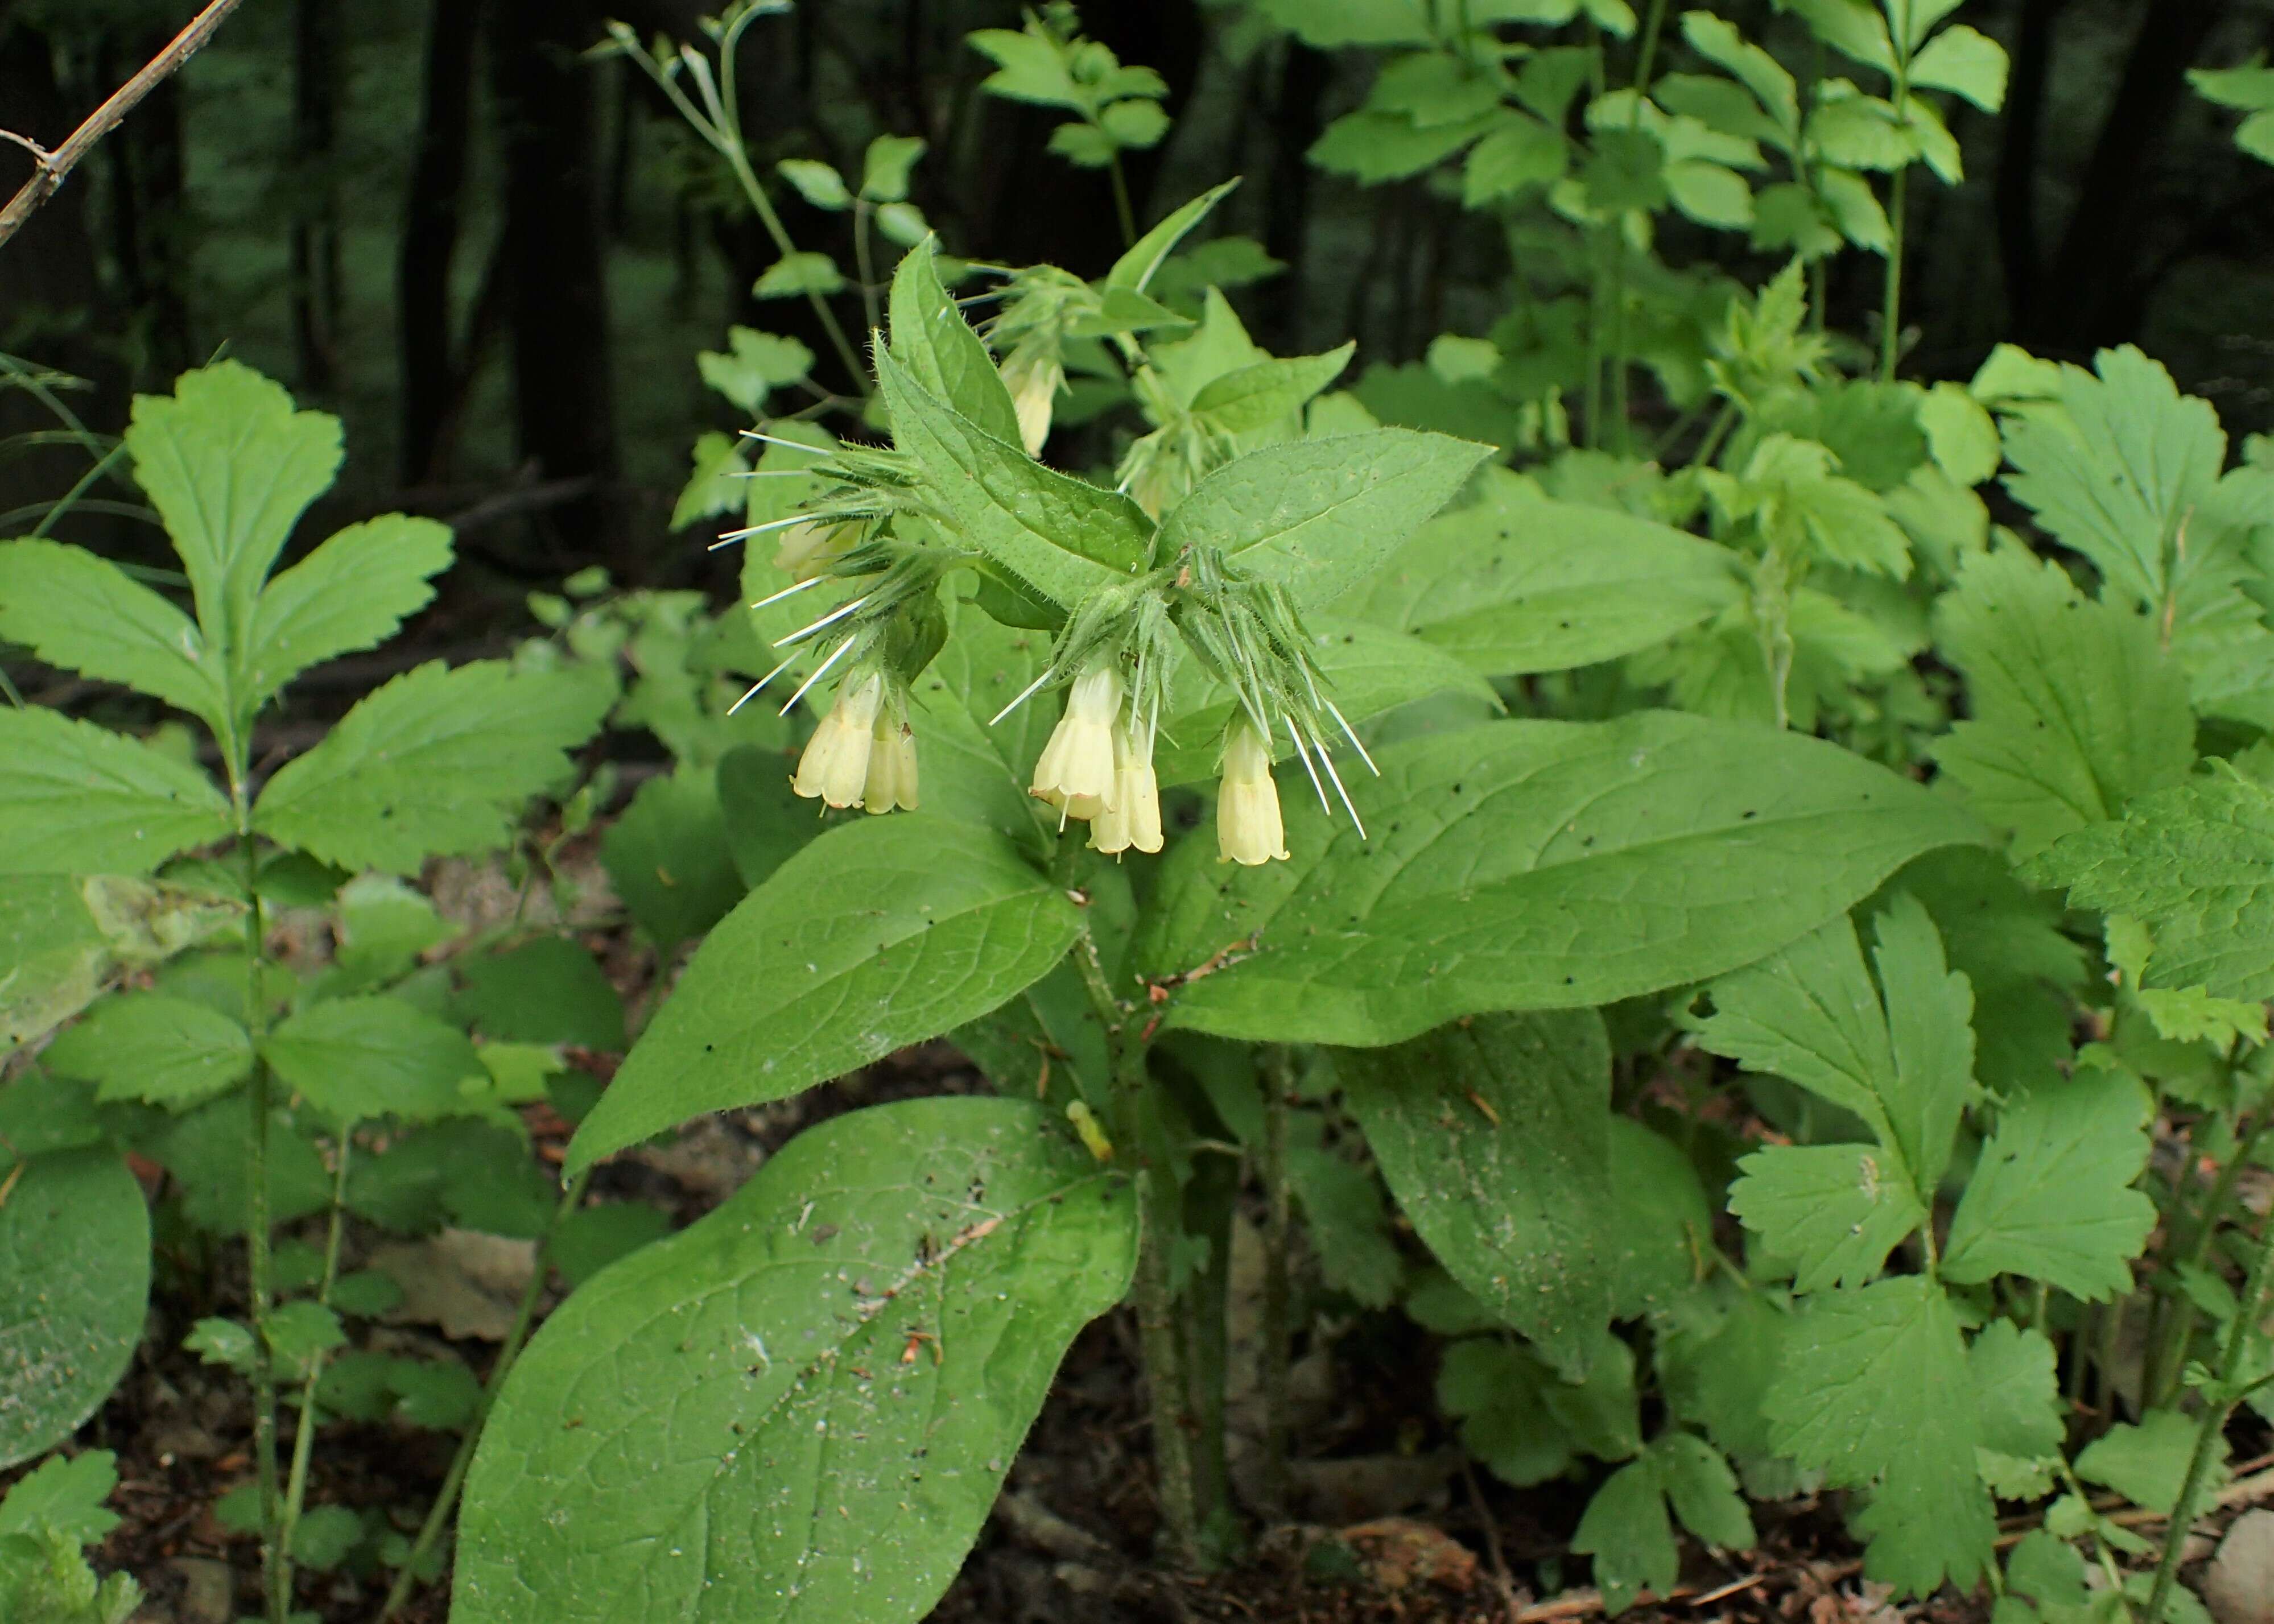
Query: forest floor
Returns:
{"type": "Point", "coordinates": [1386, 1523]}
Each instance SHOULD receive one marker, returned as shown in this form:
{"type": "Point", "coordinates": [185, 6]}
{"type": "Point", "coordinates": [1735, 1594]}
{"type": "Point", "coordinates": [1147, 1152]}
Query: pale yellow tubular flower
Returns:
{"type": "Point", "coordinates": [1134, 818]}
{"type": "Point", "coordinates": [1034, 375]}
{"type": "Point", "coordinates": [1075, 773]}
{"type": "Point", "coordinates": [835, 765]}
{"type": "Point", "coordinates": [891, 767]}
{"type": "Point", "coordinates": [1247, 826]}
{"type": "Point", "coordinates": [806, 549]}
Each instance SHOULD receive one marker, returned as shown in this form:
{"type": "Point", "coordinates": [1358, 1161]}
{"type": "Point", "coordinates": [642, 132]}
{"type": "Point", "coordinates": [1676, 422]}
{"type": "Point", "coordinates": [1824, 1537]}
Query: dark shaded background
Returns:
{"type": "Point", "coordinates": [496, 259]}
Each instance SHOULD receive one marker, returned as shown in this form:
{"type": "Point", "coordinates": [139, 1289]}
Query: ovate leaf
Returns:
{"type": "Point", "coordinates": [2147, 1464]}
{"type": "Point", "coordinates": [1626, 1529]}
{"type": "Point", "coordinates": [438, 762]}
{"type": "Point", "coordinates": [1966, 62]}
{"type": "Point", "coordinates": [352, 592]}
{"type": "Point", "coordinates": [715, 1429]}
{"type": "Point", "coordinates": [79, 799]}
{"type": "Point", "coordinates": [1319, 514]}
{"type": "Point", "coordinates": [931, 339]}
{"type": "Point", "coordinates": [357, 1059]}
{"type": "Point", "coordinates": [878, 934]}
{"type": "Point", "coordinates": [1493, 1136]}
{"type": "Point", "coordinates": [668, 858]}
{"type": "Point", "coordinates": [1533, 865]}
{"type": "Point", "coordinates": [74, 1286]}
{"type": "Point", "coordinates": [86, 615]}
{"type": "Point", "coordinates": [2052, 1197]}
{"type": "Point", "coordinates": [159, 1049]}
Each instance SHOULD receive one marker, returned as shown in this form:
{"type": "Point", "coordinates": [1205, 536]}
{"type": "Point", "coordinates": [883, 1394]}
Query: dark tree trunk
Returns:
{"type": "Point", "coordinates": [429, 238]}
{"type": "Point", "coordinates": [315, 245]}
{"type": "Point", "coordinates": [2017, 155]}
{"type": "Point", "coordinates": [555, 263]}
{"type": "Point", "coordinates": [1303, 78]}
{"type": "Point", "coordinates": [2090, 297]}
{"type": "Point", "coordinates": [146, 212]}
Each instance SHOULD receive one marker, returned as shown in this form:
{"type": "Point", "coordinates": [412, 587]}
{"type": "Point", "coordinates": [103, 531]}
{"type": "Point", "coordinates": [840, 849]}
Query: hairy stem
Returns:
{"type": "Point", "coordinates": [303, 1432]}
{"type": "Point", "coordinates": [275, 1562]}
{"type": "Point", "coordinates": [863, 211]}
{"type": "Point", "coordinates": [446, 1498]}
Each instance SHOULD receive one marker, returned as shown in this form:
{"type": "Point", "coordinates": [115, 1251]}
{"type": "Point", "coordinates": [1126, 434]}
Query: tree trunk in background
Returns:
{"type": "Point", "coordinates": [315, 246]}
{"type": "Point", "coordinates": [2090, 296]}
{"type": "Point", "coordinates": [146, 212]}
{"type": "Point", "coordinates": [555, 266]}
{"type": "Point", "coordinates": [1296, 123]}
{"type": "Point", "coordinates": [2018, 153]}
{"type": "Point", "coordinates": [429, 238]}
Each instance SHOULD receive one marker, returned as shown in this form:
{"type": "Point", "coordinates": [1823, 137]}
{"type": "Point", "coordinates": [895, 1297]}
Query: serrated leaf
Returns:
{"type": "Point", "coordinates": [437, 763]}
{"type": "Point", "coordinates": [352, 592]}
{"type": "Point", "coordinates": [885, 168]}
{"type": "Point", "coordinates": [818, 184]}
{"type": "Point", "coordinates": [86, 615]}
{"type": "Point", "coordinates": [2076, 710]}
{"type": "Point", "coordinates": [1318, 515]}
{"type": "Point", "coordinates": [2147, 1464]}
{"type": "Point", "coordinates": [149, 1047]}
{"type": "Point", "coordinates": [1874, 1392]}
{"type": "Point", "coordinates": [1966, 62]}
{"type": "Point", "coordinates": [66, 1496]}
{"type": "Point", "coordinates": [74, 1288]}
{"type": "Point", "coordinates": [1516, 583]}
{"type": "Point", "coordinates": [1626, 1529]}
{"type": "Point", "coordinates": [358, 1059]}
{"type": "Point", "coordinates": [794, 274]}
{"type": "Point", "coordinates": [931, 339]}
{"type": "Point", "coordinates": [1372, 147]}
{"type": "Point", "coordinates": [1492, 1134]}
{"type": "Point", "coordinates": [753, 365]}
{"type": "Point", "coordinates": [549, 990]}
{"type": "Point", "coordinates": [1833, 1212]}
{"type": "Point", "coordinates": [229, 466]}
{"type": "Point", "coordinates": [1507, 874]}
{"type": "Point", "coordinates": [2020, 1401]}
{"type": "Point", "coordinates": [2052, 1199]}
{"type": "Point", "coordinates": [1520, 152]}
{"type": "Point", "coordinates": [1702, 1491]}
{"type": "Point", "coordinates": [1716, 40]}
{"type": "Point", "coordinates": [1059, 535]}
{"type": "Point", "coordinates": [1029, 67]}
{"type": "Point", "coordinates": [878, 935]}
{"type": "Point", "coordinates": [79, 799]}
{"type": "Point", "coordinates": [1255, 397]}
{"type": "Point", "coordinates": [867, 1327]}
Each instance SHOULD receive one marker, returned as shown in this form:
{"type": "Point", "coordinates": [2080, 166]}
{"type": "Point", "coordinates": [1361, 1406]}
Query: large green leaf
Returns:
{"type": "Point", "coordinates": [880, 934]}
{"type": "Point", "coordinates": [1516, 582]}
{"type": "Point", "coordinates": [973, 768]}
{"type": "Point", "coordinates": [357, 1059]}
{"type": "Point", "coordinates": [61, 938]}
{"type": "Point", "coordinates": [1535, 865]}
{"type": "Point", "coordinates": [1494, 1135]}
{"type": "Point", "coordinates": [802, 1407]}
{"type": "Point", "coordinates": [438, 762]}
{"type": "Point", "coordinates": [79, 799]}
{"type": "Point", "coordinates": [86, 615]}
{"type": "Point", "coordinates": [229, 466]}
{"type": "Point", "coordinates": [350, 593]}
{"type": "Point", "coordinates": [74, 1286]}
{"type": "Point", "coordinates": [931, 339]}
{"type": "Point", "coordinates": [1062, 537]}
{"type": "Point", "coordinates": [159, 1049]}
{"type": "Point", "coordinates": [1318, 515]}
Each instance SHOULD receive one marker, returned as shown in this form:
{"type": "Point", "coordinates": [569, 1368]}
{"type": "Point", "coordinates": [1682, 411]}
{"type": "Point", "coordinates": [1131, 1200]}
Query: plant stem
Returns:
{"type": "Point", "coordinates": [1278, 1081]}
{"type": "Point", "coordinates": [303, 1432]}
{"type": "Point", "coordinates": [730, 147]}
{"type": "Point", "coordinates": [438, 1514]}
{"type": "Point", "coordinates": [2210, 1435]}
{"type": "Point", "coordinates": [275, 1563]}
{"type": "Point", "coordinates": [1121, 203]}
{"type": "Point", "coordinates": [2169, 1359]}
{"type": "Point", "coordinates": [1892, 305]}
{"type": "Point", "coordinates": [865, 263]}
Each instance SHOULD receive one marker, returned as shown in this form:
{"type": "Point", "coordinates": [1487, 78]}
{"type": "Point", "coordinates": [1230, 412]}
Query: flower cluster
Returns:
{"type": "Point", "coordinates": [864, 753]}
{"type": "Point", "coordinates": [1098, 767]}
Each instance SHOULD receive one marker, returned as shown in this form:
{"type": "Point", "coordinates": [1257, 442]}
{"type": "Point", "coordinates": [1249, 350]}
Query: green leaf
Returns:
{"type": "Point", "coordinates": [1493, 1386]}
{"type": "Point", "coordinates": [1625, 1529]}
{"type": "Point", "coordinates": [1029, 67]}
{"type": "Point", "coordinates": [1520, 152]}
{"type": "Point", "coordinates": [1492, 1134]}
{"type": "Point", "coordinates": [2195, 865]}
{"type": "Point", "coordinates": [753, 365]}
{"type": "Point", "coordinates": [1852, 27]}
{"type": "Point", "coordinates": [228, 1343]}
{"type": "Point", "coordinates": [67, 1497]}
{"type": "Point", "coordinates": [1058, 536]}
{"type": "Point", "coordinates": [324, 1536]}
{"type": "Point", "coordinates": [357, 1059]}
{"type": "Point", "coordinates": [1962, 434]}
{"type": "Point", "coordinates": [1319, 515]}
{"type": "Point", "coordinates": [878, 934]}
{"type": "Point", "coordinates": [352, 592]}
{"type": "Point", "coordinates": [1833, 1212]}
{"type": "Point", "coordinates": [1372, 147]}
{"type": "Point", "coordinates": [1134, 269]}
{"type": "Point", "coordinates": [1966, 62]}
{"type": "Point", "coordinates": [588, 1241]}
{"type": "Point", "coordinates": [945, 357]}
{"type": "Point", "coordinates": [74, 1287]}
{"type": "Point", "coordinates": [766, 821]}
{"type": "Point", "coordinates": [2052, 1197]}
{"type": "Point", "coordinates": [229, 466]}
{"type": "Point", "coordinates": [715, 1429]}
{"type": "Point", "coordinates": [2015, 1388]}
{"type": "Point", "coordinates": [210, 1153]}
{"type": "Point", "coordinates": [2076, 709]}
{"type": "Point", "coordinates": [1258, 396]}
{"type": "Point", "coordinates": [1516, 583]}
{"type": "Point", "coordinates": [1716, 40]}
{"type": "Point", "coordinates": [437, 763]}
{"type": "Point", "coordinates": [161, 1050]}
{"type": "Point", "coordinates": [667, 858]}
{"type": "Point", "coordinates": [1702, 1491]}
{"type": "Point", "coordinates": [1136, 122]}
{"type": "Point", "coordinates": [1508, 876]}
{"type": "Point", "coordinates": [79, 799]}
{"type": "Point", "coordinates": [549, 990]}
{"type": "Point", "coordinates": [794, 274]}
{"type": "Point", "coordinates": [1661, 1225]}
{"type": "Point", "coordinates": [886, 169]}
{"type": "Point", "coordinates": [2147, 1464]}
{"type": "Point", "coordinates": [298, 1332]}
{"type": "Point", "coordinates": [86, 615]}
{"type": "Point", "coordinates": [1874, 1392]}
{"type": "Point", "coordinates": [818, 184]}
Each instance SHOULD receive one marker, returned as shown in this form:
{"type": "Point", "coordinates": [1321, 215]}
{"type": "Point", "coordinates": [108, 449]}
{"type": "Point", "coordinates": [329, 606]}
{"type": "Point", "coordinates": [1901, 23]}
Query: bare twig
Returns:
{"type": "Point", "coordinates": [55, 167]}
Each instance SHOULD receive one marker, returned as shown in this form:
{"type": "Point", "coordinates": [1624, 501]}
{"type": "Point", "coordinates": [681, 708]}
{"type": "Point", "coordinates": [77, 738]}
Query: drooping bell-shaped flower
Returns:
{"type": "Point", "coordinates": [1034, 374]}
{"type": "Point", "coordinates": [892, 765]}
{"type": "Point", "coordinates": [807, 549]}
{"type": "Point", "coordinates": [1075, 773]}
{"type": "Point", "coordinates": [1247, 825]}
{"type": "Point", "coordinates": [1134, 816]}
{"type": "Point", "coordinates": [835, 765]}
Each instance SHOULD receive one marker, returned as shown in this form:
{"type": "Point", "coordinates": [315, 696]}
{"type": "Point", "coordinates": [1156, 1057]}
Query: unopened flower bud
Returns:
{"type": "Point", "coordinates": [1034, 375]}
{"type": "Point", "coordinates": [835, 765]}
{"type": "Point", "coordinates": [1134, 816]}
{"type": "Point", "coordinates": [1247, 825]}
{"type": "Point", "coordinates": [891, 767]}
{"type": "Point", "coordinates": [1075, 773]}
{"type": "Point", "coordinates": [807, 549]}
